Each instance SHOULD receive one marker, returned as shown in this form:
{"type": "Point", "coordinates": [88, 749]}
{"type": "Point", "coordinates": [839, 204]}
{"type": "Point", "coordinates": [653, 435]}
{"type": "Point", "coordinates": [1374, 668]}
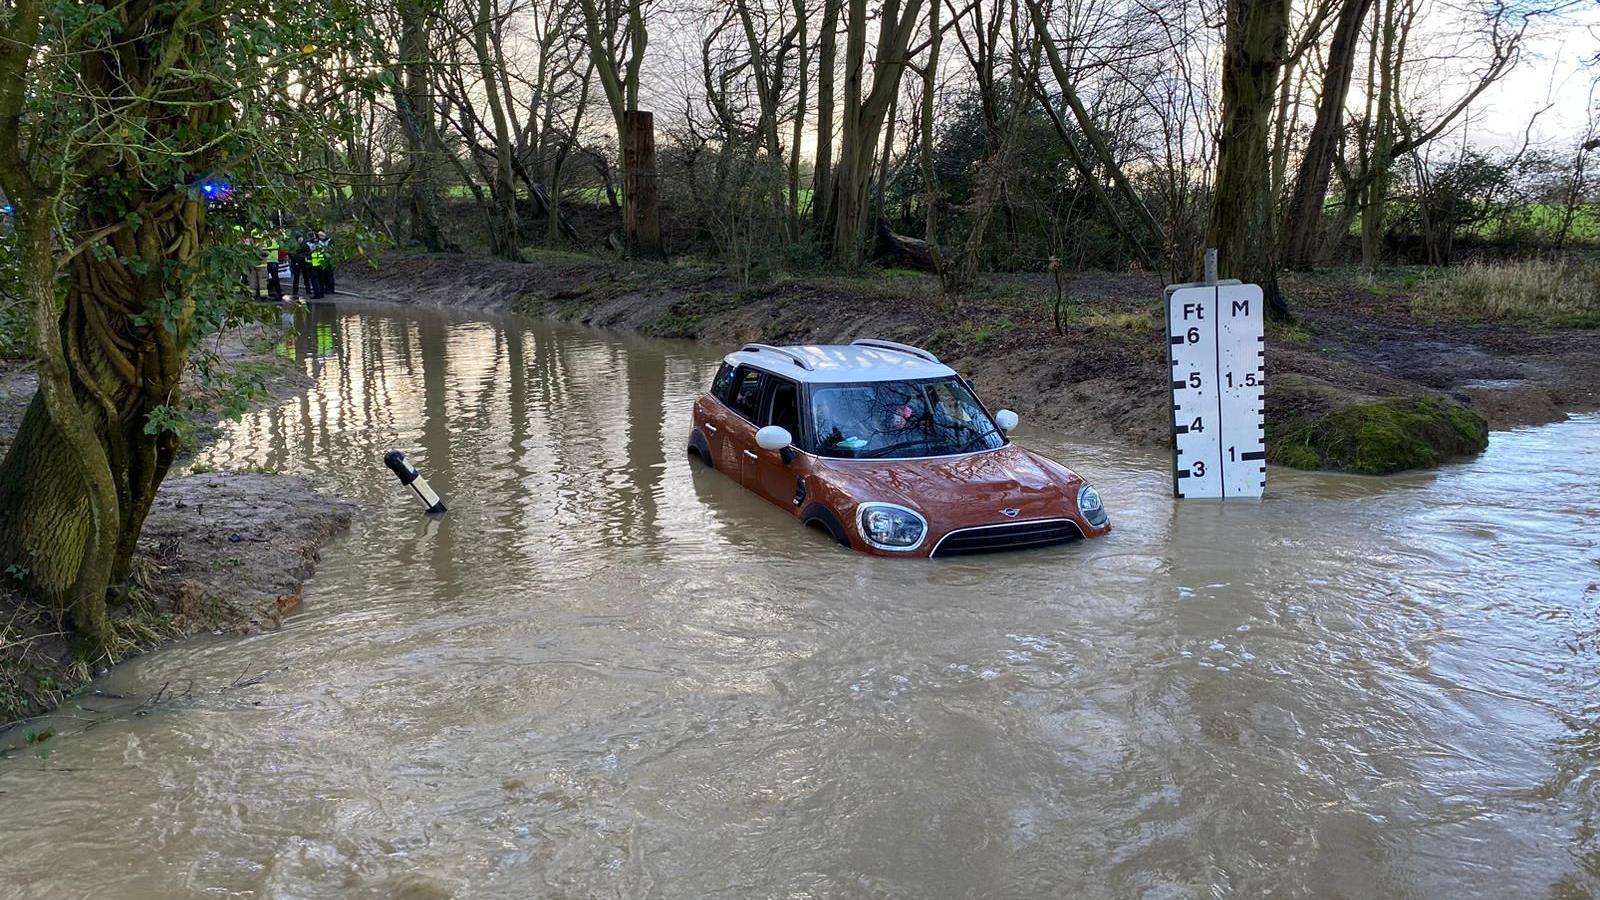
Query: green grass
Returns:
{"type": "Point", "coordinates": [1557, 293]}
{"type": "Point", "coordinates": [1143, 320]}
{"type": "Point", "coordinates": [1292, 333]}
{"type": "Point", "coordinates": [1388, 281]}
{"type": "Point", "coordinates": [977, 335]}
{"type": "Point", "coordinates": [555, 255]}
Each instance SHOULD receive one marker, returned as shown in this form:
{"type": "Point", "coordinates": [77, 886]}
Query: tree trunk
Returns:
{"type": "Point", "coordinates": [767, 89]}
{"type": "Point", "coordinates": [641, 227]}
{"type": "Point", "coordinates": [881, 182]}
{"type": "Point", "coordinates": [930, 183]}
{"type": "Point", "coordinates": [557, 225]}
{"type": "Point", "coordinates": [864, 116]}
{"type": "Point", "coordinates": [803, 65]}
{"type": "Point", "coordinates": [414, 107]}
{"type": "Point", "coordinates": [1302, 240]}
{"type": "Point", "coordinates": [57, 496]}
{"type": "Point", "coordinates": [827, 59]}
{"type": "Point", "coordinates": [1241, 211]}
{"type": "Point", "coordinates": [1377, 181]}
{"type": "Point", "coordinates": [1086, 123]}
{"type": "Point", "coordinates": [639, 213]}
{"type": "Point", "coordinates": [503, 235]}
{"type": "Point", "coordinates": [111, 319]}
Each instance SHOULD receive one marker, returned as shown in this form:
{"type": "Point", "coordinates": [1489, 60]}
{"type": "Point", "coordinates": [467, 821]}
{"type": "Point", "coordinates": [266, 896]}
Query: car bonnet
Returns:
{"type": "Point", "coordinates": [1010, 476]}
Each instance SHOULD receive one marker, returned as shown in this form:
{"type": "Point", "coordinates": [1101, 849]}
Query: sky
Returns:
{"type": "Point", "coordinates": [1557, 69]}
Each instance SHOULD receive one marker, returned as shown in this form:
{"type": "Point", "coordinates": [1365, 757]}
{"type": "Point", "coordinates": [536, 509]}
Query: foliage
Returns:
{"type": "Point", "coordinates": [1517, 203]}
{"type": "Point", "coordinates": [1047, 209]}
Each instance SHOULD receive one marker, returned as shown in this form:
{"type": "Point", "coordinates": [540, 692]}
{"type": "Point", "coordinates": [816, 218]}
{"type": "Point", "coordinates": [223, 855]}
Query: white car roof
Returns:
{"type": "Point", "coordinates": [865, 360]}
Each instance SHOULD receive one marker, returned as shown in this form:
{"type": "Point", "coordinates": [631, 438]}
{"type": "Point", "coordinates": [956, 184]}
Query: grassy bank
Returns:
{"type": "Point", "coordinates": [1362, 381]}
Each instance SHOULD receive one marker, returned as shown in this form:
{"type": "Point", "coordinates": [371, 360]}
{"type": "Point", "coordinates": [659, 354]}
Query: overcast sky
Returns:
{"type": "Point", "coordinates": [1558, 68]}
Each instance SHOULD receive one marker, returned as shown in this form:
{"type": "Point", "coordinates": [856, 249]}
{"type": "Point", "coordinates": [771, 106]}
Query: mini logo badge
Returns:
{"type": "Point", "coordinates": [1010, 512]}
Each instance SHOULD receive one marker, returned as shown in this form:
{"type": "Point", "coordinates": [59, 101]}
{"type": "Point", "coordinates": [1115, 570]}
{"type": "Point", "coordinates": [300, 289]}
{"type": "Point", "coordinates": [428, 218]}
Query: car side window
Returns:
{"type": "Point", "coordinates": [783, 405]}
{"type": "Point", "coordinates": [722, 384]}
{"type": "Point", "coordinates": [747, 384]}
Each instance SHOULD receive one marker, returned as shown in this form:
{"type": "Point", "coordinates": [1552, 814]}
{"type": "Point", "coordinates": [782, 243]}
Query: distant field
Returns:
{"type": "Point", "coordinates": [1546, 218]}
{"type": "Point", "coordinates": [1542, 218]}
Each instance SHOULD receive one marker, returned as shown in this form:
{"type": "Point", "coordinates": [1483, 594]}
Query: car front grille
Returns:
{"type": "Point", "coordinates": [1009, 536]}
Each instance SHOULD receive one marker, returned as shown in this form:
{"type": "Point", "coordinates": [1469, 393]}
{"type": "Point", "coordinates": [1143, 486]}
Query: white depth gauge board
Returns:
{"type": "Point", "coordinates": [1217, 346]}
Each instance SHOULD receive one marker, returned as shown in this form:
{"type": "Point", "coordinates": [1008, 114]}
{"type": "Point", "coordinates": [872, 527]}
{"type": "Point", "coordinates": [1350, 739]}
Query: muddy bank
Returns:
{"type": "Point", "coordinates": [222, 552]}
{"type": "Point", "coordinates": [1358, 383]}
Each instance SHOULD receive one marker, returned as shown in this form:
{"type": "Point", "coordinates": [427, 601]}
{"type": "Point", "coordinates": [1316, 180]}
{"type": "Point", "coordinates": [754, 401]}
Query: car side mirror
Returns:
{"type": "Point", "coordinates": [1006, 419]}
{"type": "Point", "coordinates": [774, 437]}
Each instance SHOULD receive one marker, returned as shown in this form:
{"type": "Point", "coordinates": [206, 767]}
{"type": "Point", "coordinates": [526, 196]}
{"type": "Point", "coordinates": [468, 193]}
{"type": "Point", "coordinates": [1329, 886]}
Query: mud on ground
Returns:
{"type": "Point", "coordinates": [223, 552]}
{"type": "Point", "coordinates": [1352, 344]}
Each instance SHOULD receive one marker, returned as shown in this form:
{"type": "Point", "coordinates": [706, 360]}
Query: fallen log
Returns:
{"type": "Point", "coordinates": [895, 249]}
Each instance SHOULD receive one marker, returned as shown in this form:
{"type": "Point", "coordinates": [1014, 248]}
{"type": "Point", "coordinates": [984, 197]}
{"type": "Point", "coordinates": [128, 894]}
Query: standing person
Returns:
{"type": "Point", "coordinates": [297, 264]}
{"type": "Point", "coordinates": [327, 262]}
{"type": "Point", "coordinates": [271, 248]}
{"type": "Point", "coordinates": [315, 257]}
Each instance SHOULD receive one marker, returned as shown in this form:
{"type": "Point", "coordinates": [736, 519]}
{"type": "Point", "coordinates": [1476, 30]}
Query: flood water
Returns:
{"type": "Point", "coordinates": [611, 673]}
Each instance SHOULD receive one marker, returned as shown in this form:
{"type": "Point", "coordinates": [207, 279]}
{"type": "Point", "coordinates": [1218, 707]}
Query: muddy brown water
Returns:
{"type": "Point", "coordinates": [611, 673]}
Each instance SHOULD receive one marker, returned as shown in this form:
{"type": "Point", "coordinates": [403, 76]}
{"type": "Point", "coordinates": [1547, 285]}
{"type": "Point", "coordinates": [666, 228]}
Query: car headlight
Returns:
{"type": "Point", "coordinates": [888, 526]}
{"type": "Point", "coordinates": [1089, 505]}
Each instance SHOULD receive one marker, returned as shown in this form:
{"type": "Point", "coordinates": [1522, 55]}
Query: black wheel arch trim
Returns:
{"type": "Point", "coordinates": [817, 514]}
{"type": "Point", "coordinates": [699, 447]}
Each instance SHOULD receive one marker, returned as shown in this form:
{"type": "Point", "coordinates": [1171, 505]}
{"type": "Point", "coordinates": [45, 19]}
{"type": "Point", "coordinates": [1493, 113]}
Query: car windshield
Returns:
{"type": "Point", "coordinates": [900, 419]}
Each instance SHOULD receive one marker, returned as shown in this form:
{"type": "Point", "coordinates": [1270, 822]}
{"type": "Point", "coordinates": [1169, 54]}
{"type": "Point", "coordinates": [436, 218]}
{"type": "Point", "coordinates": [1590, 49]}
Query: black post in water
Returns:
{"type": "Point", "coordinates": [410, 477]}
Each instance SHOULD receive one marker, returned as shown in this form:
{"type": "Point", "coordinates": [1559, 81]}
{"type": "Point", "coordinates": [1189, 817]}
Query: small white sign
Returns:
{"type": "Point", "coordinates": [1217, 345]}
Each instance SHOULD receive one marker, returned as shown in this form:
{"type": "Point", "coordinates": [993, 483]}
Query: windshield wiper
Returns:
{"type": "Point", "coordinates": [893, 448]}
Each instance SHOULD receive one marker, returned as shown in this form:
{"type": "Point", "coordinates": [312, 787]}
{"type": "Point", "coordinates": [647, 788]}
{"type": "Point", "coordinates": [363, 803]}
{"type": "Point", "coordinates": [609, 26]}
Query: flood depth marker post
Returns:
{"type": "Point", "coordinates": [1216, 343]}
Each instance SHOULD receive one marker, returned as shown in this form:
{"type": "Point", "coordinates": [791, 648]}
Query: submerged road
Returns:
{"type": "Point", "coordinates": [611, 672]}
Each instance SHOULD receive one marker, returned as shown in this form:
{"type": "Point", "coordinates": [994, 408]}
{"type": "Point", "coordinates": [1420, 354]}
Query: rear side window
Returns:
{"type": "Point", "coordinates": [746, 392]}
{"type": "Point", "coordinates": [722, 385]}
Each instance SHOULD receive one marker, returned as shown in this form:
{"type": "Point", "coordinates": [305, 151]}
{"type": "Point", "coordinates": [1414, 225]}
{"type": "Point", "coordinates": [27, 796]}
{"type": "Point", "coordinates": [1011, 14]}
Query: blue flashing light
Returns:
{"type": "Point", "coordinates": [7, 210]}
{"type": "Point", "coordinates": [216, 190]}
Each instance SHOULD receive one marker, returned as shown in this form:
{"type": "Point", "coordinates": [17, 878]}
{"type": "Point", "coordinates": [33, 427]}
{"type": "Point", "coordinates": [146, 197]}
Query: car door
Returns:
{"type": "Point", "coordinates": [766, 471]}
{"type": "Point", "coordinates": [738, 430]}
{"type": "Point", "coordinates": [711, 415]}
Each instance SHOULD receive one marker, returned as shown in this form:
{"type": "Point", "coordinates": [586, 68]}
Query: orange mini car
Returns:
{"type": "Point", "coordinates": [887, 450]}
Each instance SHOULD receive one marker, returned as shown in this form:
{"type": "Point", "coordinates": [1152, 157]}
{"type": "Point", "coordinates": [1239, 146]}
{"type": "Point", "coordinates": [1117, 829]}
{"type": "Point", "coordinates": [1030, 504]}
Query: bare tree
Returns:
{"type": "Point", "coordinates": [1302, 235]}
{"type": "Point", "coordinates": [864, 113]}
{"type": "Point", "coordinates": [617, 36]}
{"type": "Point", "coordinates": [1255, 41]}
